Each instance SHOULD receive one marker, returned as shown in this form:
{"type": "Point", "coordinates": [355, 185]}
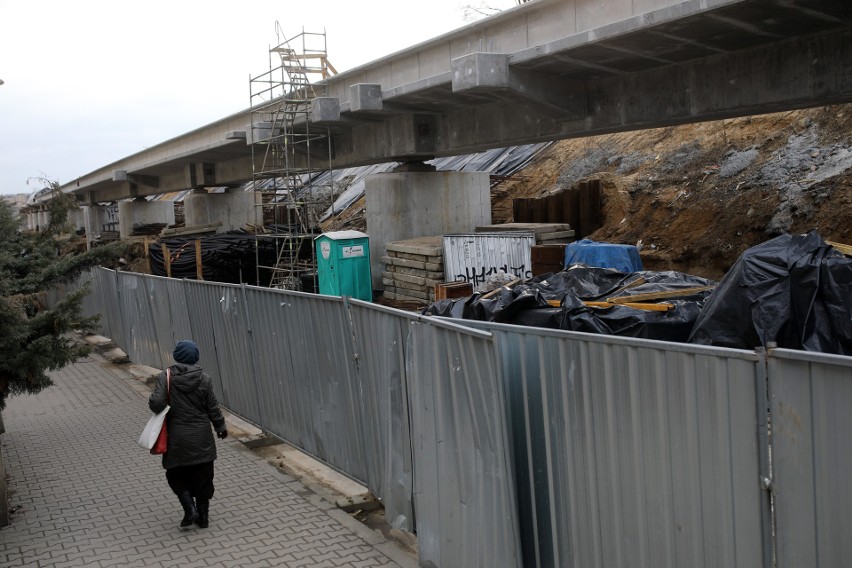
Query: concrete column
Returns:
{"type": "Point", "coordinates": [77, 219]}
{"type": "Point", "coordinates": [405, 205]}
{"type": "Point", "coordinates": [31, 221]}
{"type": "Point", "coordinates": [43, 217]}
{"type": "Point", "coordinates": [234, 209]}
{"type": "Point", "coordinates": [143, 212]}
{"type": "Point", "coordinates": [92, 222]}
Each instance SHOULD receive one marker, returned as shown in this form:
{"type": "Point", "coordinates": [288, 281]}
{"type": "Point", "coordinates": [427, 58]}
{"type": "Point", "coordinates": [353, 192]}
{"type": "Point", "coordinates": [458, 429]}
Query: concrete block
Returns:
{"type": "Point", "coordinates": [480, 71]}
{"type": "Point", "coordinates": [116, 356]}
{"type": "Point", "coordinates": [97, 340]}
{"type": "Point", "coordinates": [363, 502]}
{"type": "Point", "coordinates": [365, 97]}
{"type": "Point", "coordinates": [426, 246]}
{"type": "Point", "coordinates": [144, 373]}
{"type": "Point", "coordinates": [325, 109]}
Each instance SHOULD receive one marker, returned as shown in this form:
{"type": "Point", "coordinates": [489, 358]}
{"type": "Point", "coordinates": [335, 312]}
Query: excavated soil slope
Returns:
{"type": "Point", "coordinates": [698, 195]}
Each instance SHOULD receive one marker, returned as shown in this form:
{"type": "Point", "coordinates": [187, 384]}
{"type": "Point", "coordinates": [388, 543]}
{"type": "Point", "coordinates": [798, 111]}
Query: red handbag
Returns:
{"type": "Point", "coordinates": [162, 443]}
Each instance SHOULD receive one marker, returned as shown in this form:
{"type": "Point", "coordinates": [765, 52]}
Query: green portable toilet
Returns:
{"type": "Point", "coordinates": [343, 264]}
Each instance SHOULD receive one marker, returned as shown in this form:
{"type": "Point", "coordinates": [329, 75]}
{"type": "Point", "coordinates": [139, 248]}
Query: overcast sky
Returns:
{"type": "Point", "coordinates": [88, 82]}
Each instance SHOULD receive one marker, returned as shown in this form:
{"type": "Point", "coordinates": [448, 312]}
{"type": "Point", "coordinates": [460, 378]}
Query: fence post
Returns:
{"type": "Point", "coordinates": [765, 456]}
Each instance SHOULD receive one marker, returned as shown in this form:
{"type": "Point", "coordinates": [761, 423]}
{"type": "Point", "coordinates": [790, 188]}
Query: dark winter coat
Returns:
{"type": "Point", "coordinates": [193, 408]}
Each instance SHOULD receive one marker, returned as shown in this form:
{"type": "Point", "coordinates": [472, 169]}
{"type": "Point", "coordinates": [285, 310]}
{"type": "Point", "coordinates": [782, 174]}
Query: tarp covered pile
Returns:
{"type": "Point", "coordinates": [794, 291]}
{"type": "Point", "coordinates": [532, 303]}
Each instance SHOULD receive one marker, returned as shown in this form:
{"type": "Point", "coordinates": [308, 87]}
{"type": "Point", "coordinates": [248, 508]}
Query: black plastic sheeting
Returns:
{"type": "Point", "coordinates": [227, 257]}
{"type": "Point", "coordinates": [526, 303]}
{"type": "Point", "coordinates": [794, 290]}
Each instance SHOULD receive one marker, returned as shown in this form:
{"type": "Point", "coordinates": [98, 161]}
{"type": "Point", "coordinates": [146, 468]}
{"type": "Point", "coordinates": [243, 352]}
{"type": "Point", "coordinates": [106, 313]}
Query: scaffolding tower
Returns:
{"type": "Point", "coordinates": [291, 158]}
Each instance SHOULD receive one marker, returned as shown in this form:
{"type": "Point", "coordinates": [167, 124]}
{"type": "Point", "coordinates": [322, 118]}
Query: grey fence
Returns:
{"type": "Point", "coordinates": [509, 446]}
{"type": "Point", "coordinates": [811, 408]}
{"type": "Point", "coordinates": [631, 452]}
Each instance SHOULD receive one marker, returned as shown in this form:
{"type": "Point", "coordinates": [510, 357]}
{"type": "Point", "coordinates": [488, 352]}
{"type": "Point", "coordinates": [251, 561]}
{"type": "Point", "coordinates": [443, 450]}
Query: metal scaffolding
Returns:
{"type": "Point", "coordinates": [291, 158]}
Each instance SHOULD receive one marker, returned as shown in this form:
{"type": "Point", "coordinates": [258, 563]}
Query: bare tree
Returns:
{"type": "Point", "coordinates": [472, 12]}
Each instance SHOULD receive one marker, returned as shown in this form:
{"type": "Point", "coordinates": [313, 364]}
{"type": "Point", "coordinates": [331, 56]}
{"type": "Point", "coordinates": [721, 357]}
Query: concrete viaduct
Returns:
{"type": "Point", "coordinates": [546, 70]}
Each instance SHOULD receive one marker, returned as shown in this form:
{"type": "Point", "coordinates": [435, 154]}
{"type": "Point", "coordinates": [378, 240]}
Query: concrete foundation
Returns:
{"type": "Point", "coordinates": [233, 209]}
{"type": "Point", "coordinates": [406, 205]}
{"type": "Point", "coordinates": [140, 212]}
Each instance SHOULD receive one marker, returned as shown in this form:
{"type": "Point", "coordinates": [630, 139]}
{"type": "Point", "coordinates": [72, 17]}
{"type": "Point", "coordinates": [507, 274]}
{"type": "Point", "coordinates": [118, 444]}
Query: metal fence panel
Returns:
{"type": "Point", "coordinates": [228, 316]}
{"type": "Point", "coordinates": [109, 296]}
{"type": "Point", "coordinates": [281, 397]}
{"type": "Point", "coordinates": [137, 301]}
{"type": "Point", "coordinates": [200, 314]}
{"type": "Point", "coordinates": [631, 452]}
{"type": "Point", "coordinates": [811, 409]}
{"type": "Point", "coordinates": [463, 480]}
{"type": "Point", "coordinates": [380, 335]}
{"type": "Point", "coordinates": [304, 354]}
{"type": "Point", "coordinates": [181, 326]}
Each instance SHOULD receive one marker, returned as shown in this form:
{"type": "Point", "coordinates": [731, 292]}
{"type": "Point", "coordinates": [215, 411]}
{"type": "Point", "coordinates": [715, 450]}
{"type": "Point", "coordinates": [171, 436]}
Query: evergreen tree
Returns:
{"type": "Point", "coordinates": [35, 339]}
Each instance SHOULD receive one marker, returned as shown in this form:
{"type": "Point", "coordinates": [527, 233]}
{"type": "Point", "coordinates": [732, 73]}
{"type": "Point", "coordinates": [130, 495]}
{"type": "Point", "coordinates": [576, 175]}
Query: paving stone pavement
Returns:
{"type": "Point", "coordinates": [89, 496]}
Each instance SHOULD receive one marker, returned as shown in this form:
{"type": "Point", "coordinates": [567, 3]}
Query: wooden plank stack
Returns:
{"type": "Point", "coordinates": [545, 233]}
{"type": "Point", "coordinates": [412, 269]}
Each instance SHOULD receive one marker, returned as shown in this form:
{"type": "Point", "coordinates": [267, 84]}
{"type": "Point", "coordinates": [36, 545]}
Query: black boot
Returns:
{"type": "Point", "coordinates": [203, 509]}
{"type": "Point", "coordinates": [190, 513]}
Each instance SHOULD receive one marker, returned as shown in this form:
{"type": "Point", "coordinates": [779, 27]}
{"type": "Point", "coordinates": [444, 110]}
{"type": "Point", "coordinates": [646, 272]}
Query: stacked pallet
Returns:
{"type": "Point", "coordinates": [545, 233]}
{"type": "Point", "coordinates": [412, 268]}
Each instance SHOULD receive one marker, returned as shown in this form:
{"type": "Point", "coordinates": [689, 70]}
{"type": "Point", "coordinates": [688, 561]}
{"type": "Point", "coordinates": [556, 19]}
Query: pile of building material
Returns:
{"type": "Point", "coordinates": [412, 268]}
{"type": "Point", "coordinates": [545, 233]}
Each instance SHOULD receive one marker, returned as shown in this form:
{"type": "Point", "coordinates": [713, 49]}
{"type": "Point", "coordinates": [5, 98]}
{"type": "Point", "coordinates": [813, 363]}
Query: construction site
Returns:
{"type": "Point", "coordinates": [623, 344]}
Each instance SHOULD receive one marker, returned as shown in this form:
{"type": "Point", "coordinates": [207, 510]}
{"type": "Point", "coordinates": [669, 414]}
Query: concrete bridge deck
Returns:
{"type": "Point", "coordinates": [547, 70]}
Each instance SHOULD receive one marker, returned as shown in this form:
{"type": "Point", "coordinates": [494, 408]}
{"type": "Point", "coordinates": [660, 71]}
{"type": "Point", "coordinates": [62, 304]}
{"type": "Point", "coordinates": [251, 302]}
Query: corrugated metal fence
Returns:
{"type": "Point", "coordinates": [519, 446]}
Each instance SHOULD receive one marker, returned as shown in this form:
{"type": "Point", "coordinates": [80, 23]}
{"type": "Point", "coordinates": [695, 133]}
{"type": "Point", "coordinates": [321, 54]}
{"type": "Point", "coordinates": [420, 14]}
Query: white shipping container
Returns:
{"type": "Point", "coordinates": [480, 257]}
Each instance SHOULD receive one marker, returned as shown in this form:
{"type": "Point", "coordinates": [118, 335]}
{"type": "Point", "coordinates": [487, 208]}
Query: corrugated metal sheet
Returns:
{"type": "Point", "coordinates": [304, 357]}
{"type": "Point", "coordinates": [109, 296]}
{"type": "Point", "coordinates": [463, 480]}
{"type": "Point", "coordinates": [380, 336]}
{"type": "Point", "coordinates": [474, 257]}
{"type": "Point", "coordinates": [633, 452]}
{"type": "Point", "coordinates": [226, 307]}
{"type": "Point", "coordinates": [811, 396]}
{"type": "Point", "coordinates": [136, 301]}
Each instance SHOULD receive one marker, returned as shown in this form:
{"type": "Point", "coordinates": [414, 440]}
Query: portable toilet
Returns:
{"type": "Point", "coordinates": [343, 264]}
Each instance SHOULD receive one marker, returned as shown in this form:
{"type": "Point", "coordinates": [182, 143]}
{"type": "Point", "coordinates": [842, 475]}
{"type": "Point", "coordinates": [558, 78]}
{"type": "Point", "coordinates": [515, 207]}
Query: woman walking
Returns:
{"type": "Point", "coordinates": [188, 461]}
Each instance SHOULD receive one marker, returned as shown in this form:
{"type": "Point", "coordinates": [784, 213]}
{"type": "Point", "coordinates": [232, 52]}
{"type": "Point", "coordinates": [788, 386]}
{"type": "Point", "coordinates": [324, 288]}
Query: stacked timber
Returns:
{"type": "Point", "coordinates": [412, 268]}
{"type": "Point", "coordinates": [545, 233]}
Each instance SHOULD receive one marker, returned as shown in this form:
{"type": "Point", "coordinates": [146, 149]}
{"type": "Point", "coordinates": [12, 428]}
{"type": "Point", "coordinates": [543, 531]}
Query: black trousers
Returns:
{"type": "Point", "coordinates": [197, 479]}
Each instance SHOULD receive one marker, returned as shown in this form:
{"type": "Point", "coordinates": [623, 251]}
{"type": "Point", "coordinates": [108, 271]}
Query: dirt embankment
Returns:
{"type": "Point", "coordinates": [698, 195]}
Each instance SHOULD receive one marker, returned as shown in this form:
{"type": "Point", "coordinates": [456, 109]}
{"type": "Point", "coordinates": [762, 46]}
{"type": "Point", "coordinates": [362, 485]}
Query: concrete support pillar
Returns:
{"type": "Point", "coordinates": [43, 218]}
{"type": "Point", "coordinates": [234, 209]}
{"type": "Point", "coordinates": [92, 222]}
{"type": "Point", "coordinates": [77, 219]}
{"type": "Point", "coordinates": [31, 221]}
{"type": "Point", "coordinates": [405, 205]}
{"type": "Point", "coordinates": [143, 212]}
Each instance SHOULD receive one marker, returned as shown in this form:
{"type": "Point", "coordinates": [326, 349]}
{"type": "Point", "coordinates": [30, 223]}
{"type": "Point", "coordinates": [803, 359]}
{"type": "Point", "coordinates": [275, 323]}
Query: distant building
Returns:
{"type": "Point", "coordinates": [18, 200]}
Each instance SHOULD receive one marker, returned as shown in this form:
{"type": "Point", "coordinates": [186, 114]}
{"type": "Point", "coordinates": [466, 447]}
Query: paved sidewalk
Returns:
{"type": "Point", "coordinates": [89, 496]}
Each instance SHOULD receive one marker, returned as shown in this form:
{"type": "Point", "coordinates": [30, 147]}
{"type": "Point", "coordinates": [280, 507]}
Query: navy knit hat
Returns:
{"type": "Point", "coordinates": [186, 352]}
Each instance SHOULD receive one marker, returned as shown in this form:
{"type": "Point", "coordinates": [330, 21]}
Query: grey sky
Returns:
{"type": "Point", "coordinates": [91, 81]}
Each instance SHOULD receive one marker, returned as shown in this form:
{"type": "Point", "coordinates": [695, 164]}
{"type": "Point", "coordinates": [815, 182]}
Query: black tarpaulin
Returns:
{"type": "Point", "coordinates": [527, 303]}
{"type": "Point", "coordinates": [793, 290]}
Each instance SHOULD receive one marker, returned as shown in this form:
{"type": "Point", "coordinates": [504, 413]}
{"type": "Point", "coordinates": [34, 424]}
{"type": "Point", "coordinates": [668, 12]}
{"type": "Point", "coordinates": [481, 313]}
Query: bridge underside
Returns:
{"type": "Point", "coordinates": [693, 61]}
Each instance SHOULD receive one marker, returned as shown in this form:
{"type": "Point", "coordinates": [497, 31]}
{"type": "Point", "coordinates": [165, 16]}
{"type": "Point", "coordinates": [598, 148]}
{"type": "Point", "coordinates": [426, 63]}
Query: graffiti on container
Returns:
{"type": "Point", "coordinates": [477, 275]}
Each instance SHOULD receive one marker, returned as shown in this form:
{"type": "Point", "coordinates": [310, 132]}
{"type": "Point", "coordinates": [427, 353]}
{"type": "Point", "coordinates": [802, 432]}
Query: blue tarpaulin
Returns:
{"type": "Point", "coordinates": [624, 258]}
